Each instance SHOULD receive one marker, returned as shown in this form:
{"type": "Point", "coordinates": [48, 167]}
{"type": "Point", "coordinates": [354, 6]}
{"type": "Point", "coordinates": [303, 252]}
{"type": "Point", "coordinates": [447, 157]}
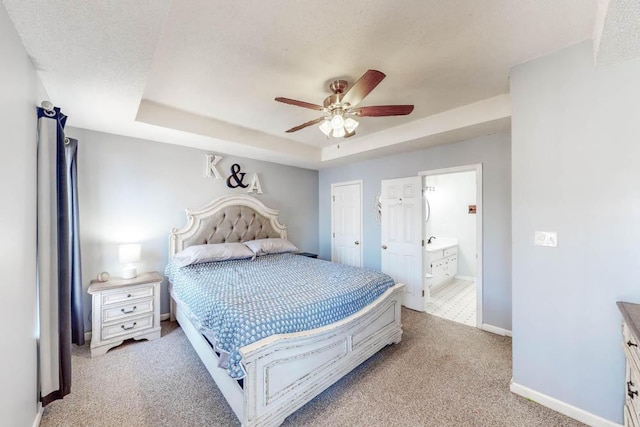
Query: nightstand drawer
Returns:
{"type": "Point", "coordinates": [126, 294]}
{"type": "Point", "coordinates": [127, 327]}
{"type": "Point", "coordinates": [131, 309]}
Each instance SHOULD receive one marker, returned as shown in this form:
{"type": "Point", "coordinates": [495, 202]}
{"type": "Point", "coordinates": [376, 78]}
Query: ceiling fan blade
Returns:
{"type": "Point", "coordinates": [300, 104]}
{"type": "Point", "coordinates": [382, 110]}
{"type": "Point", "coordinates": [304, 125]}
{"type": "Point", "coordinates": [363, 87]}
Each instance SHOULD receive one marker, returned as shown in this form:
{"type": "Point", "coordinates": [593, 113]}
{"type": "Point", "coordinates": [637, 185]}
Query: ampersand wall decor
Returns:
{"type": "Point", "coordinates": [237, 177]}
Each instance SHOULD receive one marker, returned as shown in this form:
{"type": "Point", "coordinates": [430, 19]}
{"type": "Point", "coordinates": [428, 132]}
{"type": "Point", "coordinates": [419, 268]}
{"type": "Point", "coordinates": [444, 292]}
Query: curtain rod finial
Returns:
{"type": "Point", "coordinates": [47, 105]}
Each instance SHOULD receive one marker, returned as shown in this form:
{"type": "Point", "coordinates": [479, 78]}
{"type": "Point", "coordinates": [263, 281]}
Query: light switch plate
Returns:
{"type": "Point", "coordinates": [546, 238]}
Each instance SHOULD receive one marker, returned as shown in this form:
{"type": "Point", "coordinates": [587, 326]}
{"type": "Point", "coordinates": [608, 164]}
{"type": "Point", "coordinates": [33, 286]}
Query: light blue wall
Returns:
{"type": "Point", "coordinates": [494, 153]}
{"type": "Point", "coordinates": [576, 170]}
{"type": "Point", "coordinates": [137, 190]}
{"type": "Point", "coordinates": [20, 91]}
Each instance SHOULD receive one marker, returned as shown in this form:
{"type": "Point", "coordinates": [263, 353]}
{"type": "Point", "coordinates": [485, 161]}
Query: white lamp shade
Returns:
{"type": "Point", "coordinates": [350, 125]}
{"type": "Point", "coordinates": [338, 133]}
{"type": "Point", "coordinates": [129, 253]}
{"type": "Point", "coordinates": [337, 122]}
{"type": "Point", "coordinates": [325, 127]}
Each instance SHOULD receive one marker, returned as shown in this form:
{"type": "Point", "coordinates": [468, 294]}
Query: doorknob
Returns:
{"type": "Point", "coordinates": [384, 246]}
{"type": "Point", "coordinates": [357, 242]}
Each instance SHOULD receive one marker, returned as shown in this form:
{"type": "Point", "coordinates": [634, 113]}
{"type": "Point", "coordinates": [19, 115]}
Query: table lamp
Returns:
{"type": "Point", "coordinates": [128, 254]}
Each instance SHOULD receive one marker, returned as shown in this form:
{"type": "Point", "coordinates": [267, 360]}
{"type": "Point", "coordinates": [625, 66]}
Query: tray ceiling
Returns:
{"type": "Point", "coordinates": [205, 73]}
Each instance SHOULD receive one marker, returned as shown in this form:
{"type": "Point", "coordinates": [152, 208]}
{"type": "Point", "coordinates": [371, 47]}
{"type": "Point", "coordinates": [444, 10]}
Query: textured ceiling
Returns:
{"type": "Point", "coordinates": [618, 38]}
{"type": "Point", "coordinates": [219, 64]}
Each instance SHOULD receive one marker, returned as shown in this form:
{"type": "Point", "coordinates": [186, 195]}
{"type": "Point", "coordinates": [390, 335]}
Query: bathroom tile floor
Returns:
{"type": "Point", "coordinates": [454, 301]}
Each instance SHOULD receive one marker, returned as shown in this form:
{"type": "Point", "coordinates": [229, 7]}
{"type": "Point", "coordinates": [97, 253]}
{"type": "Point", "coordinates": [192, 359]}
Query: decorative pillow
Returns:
{"type": "Point", "coordinates": [213, 252]}
{"type": "Point", "coordinates": [270, 246]}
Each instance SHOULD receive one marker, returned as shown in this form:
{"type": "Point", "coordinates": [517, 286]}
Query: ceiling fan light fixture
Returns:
{"type": "Point", "coordinates": [350, 125]}
{"type": "Point", "coordinates": [337, 122]}
{"type": "Point", "coordinates": [339, 133]}
{"type": "Point", "coordinates": [325, 127]}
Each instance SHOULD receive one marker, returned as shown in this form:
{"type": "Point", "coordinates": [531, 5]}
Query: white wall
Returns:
{"type": "Point", "coordinates": [133, 190]}
{"type": "Point", "coordinates": [450, 217]}
{"type": "Point", "coordinates": [21, 90]}
{"type": "Point", "coordinates": [494, 152]}
{"type": "Point", "coordinates": [576, 170]}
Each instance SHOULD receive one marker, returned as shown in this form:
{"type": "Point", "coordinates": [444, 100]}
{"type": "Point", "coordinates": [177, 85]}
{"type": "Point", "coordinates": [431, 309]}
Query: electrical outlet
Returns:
{"type": "Point", "coordinates": [545, 238]}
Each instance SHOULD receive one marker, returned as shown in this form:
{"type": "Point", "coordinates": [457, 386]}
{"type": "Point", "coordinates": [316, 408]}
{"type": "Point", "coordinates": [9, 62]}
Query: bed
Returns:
{"type": "Point", "coordinates": [281, 372]}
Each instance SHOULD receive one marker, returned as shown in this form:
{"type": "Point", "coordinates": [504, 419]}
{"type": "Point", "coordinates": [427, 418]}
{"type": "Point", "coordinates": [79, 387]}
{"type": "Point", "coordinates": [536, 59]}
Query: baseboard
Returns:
{"type": "Point", "coordinates": [561, 407]}
{"type": "Point", "coordinates": [496, 330]}
{"type": "Point", "coordinates": [36, 421]}
{"type": "Point", "coordinates": [163, 317]}
{"type": "Point", "coordinates": [467, 278]}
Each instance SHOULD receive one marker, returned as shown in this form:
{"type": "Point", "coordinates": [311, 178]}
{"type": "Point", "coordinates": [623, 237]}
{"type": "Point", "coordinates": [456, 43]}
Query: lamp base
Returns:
{"type": "Point", "coordinates": [129, 272]}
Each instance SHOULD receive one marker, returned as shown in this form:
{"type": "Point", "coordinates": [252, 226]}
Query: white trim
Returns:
{"type": "Point", "coordinates": [38, 418]}
{"type": "Point", "coordinates": [477, 167]}
{"type": "Point", "coordinates": [496, 330]}
{"type": "Point", "coordinates": [163, 317]}
{"type": "Point", "coordinates": [339, 184]}
{"type": "Point", "coordinates": [467, 278]}
{"type": "Point", "coordinates": [561, 407]}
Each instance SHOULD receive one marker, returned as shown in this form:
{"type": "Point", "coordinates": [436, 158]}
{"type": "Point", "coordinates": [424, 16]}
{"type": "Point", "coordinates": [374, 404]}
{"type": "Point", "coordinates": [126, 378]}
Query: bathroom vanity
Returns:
{"type": "Point", "coordinates": [441, 263]}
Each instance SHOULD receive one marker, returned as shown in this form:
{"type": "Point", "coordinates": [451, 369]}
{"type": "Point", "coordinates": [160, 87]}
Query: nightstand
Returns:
{"type": "Point", "coordinates": [307, 254]}
{"type": "Point", "coordinates": [123, 309]}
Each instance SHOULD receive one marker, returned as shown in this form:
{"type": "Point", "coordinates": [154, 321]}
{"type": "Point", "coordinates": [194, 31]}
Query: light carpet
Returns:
{"type": "Point", "coordinates": [441, 374]}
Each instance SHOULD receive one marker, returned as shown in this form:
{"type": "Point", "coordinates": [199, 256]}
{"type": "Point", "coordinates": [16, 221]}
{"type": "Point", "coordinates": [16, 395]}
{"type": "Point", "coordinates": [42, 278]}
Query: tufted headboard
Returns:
{"type": "Point", "coordinates": [233, 218]}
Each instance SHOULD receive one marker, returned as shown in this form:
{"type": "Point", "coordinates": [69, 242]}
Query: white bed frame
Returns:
{"type": "Point", "coordinates": [286, 371]}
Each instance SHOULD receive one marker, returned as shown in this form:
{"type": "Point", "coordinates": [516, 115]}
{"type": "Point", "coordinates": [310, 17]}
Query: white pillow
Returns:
{"type": "Point", "coordinates": [270, 246]}
{"type": "Point", "coordinates": [214, 252]}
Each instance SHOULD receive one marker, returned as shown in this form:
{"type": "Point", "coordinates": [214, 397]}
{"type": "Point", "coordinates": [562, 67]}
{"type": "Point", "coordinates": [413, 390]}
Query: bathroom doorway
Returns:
{"type": "Point", "coordinates": [453, 243]}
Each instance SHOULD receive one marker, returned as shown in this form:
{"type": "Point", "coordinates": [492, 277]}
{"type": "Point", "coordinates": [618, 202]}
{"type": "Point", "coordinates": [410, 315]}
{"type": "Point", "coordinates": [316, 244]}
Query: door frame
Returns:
{"type": "Point", "coordinates": [477, 168]}
{"type": "Point", "coordinates": [333, 186]}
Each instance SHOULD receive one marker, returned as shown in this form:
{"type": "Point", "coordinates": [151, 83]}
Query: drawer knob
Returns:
{"type": "Point", "coordinates": [631, 393]}
{"type": "Point", "coordinates": [126, 328]}
{"type": "Point", "coordinates": [631, 344]}
{"type": "Point", "coordinates": [130, 311]}
{"type": "Point", "coordinates": [129, 295]}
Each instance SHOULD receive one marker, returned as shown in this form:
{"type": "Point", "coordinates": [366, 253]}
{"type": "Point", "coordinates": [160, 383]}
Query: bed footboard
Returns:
{"type": "Point", "coordinates": [286, 371]}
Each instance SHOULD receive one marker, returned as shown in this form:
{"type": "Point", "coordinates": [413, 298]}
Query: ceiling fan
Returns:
{"type": "Point", "coordinates": [341, 106]}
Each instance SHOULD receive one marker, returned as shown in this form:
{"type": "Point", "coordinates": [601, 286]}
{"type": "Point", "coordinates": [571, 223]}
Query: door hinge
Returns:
{"type": "Point", "coordinates": [334, 235]}
{"type": "Point", "coordinates": [334, 198]}
{"type": "Point", "coordinates": [422, 242]}
{"type": "Point", "coordinates": [423, 292]}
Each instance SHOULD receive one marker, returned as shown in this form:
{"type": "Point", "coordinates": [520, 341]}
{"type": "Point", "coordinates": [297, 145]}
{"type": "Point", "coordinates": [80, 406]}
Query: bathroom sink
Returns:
{"type": "Point", "coordinates": [432, 247]}
{"type": "Point", "coordinates": [442, 244]}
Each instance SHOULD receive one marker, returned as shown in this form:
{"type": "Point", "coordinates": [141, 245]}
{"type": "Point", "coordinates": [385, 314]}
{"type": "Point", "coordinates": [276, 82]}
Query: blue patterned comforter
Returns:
{"type": "Point", "coordinates": [236, 303]}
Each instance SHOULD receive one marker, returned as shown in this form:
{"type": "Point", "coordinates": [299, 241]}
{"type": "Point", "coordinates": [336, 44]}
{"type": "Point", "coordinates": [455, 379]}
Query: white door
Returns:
{"type": "Point", "coordinates": [346, 217]}
{"type": "Point", "coordinates": [402, 209]}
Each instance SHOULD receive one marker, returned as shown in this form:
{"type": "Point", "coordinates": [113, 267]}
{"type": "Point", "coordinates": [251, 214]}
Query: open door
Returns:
{"type": "Point", "coordinates": [402, 210]}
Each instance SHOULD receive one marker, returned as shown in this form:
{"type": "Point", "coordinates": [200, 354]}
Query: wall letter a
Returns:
{"type": "Point", "coordinates": [255, 185]}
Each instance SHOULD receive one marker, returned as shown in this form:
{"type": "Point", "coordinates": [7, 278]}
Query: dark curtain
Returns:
{"type": "Point", "coordinates": [70, 327]}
